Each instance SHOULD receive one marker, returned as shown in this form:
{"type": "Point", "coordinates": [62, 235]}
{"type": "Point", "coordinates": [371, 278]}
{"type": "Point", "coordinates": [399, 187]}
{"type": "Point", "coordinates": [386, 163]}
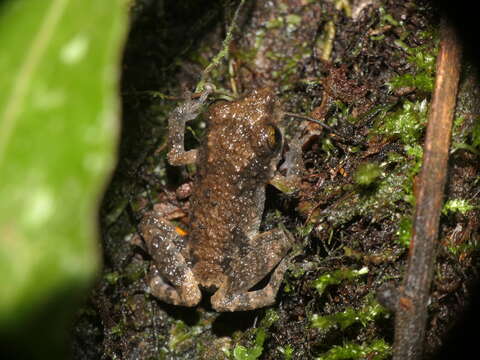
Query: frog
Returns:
{"type": "Point", "coordinates": [224, 252]}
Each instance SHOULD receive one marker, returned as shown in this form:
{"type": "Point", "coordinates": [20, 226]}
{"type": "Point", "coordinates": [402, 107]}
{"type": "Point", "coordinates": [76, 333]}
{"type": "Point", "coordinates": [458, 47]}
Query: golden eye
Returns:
{"type": "Point", "coordinates": [274, 138]}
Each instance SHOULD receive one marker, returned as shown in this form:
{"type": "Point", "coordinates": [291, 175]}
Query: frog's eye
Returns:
{"type": "Point", "coordinates": [274, 138]}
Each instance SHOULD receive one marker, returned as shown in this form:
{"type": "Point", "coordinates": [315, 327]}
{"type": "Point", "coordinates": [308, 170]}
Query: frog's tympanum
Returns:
{"type": "Point", "coordinates": [224, 252]}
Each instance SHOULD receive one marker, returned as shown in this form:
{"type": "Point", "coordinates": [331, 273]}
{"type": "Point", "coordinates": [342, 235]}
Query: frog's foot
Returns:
{"type": "Point", "coordinates": [171, 279]}
{"type": "Point", "coordinates": [268, 251]}
{"type": "Point", "coordinates": [252, 299]}
{"type": "Point", "coordinates": [187, 294]}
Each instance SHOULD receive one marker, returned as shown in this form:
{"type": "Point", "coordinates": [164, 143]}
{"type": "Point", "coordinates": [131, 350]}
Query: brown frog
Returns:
{"type": "Point", "coordinates": [224, 252]}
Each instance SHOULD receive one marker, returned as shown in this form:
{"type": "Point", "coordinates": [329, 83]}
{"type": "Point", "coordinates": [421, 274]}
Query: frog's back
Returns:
{"type": "Point", "coordinates": [232, 172]}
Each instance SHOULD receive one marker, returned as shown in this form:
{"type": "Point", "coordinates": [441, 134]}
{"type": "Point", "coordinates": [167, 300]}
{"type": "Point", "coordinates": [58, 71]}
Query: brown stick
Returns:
{"type": "Point", "coordinates": [411, 315]}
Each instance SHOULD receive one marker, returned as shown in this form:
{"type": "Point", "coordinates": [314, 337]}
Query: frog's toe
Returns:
{"type": "Point", "coordinates": [186, 295]}
{"type": "Point", "coordinates": [244, 301]}
{"type": "Point", "coordinates": [191, 295]}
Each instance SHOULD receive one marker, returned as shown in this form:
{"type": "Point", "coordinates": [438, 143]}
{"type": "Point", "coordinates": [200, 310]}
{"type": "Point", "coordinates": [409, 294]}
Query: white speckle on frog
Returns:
{"type": "Point", "coordinates": [75, 50]}
{"type": "Point", "coordinates": [41, 207]}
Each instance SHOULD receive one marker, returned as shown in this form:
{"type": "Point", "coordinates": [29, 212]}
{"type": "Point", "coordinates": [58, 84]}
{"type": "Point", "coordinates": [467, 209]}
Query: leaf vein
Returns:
{"type": "Point", "coordinates": [26, 71]}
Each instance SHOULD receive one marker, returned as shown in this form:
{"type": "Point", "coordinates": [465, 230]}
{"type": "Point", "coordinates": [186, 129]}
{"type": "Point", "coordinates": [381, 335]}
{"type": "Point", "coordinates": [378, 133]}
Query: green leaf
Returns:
{"type": "Point", "coordinates": [59, 114]}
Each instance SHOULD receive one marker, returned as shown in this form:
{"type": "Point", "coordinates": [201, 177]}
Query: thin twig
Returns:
{"type": "Point", "coordinates": [321, 123]}
{"type": "Point", "coordinates": [223, 53]}
{"type": "Point", "coordinates": [411, 315]}
{"type": "Point", "coordinates": [308, 118]}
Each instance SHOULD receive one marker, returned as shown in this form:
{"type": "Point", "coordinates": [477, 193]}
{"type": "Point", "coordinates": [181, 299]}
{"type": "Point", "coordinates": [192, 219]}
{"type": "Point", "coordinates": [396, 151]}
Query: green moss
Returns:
{"type": "Point", "coordinates": [293, 19]}
{"type": "Point", "coordinates": [182, 336]}
{"type": "Point", "coordinates": [224, 51]}
{"type": "Point", "coordinates": [243, 353]}
{"type": "Point", "coordinates": [421, 81]}
{"type": "Point", "coordinates": [274, 23]}
{"type": "Point", "coordinates": [287, 65]}
{"type": "Point", "coordinates": [246, 55]}
{"type": "Point", "coordinates": [271, 317]}
{"type": "Point", "coordinates": [386, 18]}
{"type": "Point", "coordinates": [370, 312]}
{"type": "Point", "coordinates": [367, 173]}
{"type": "Point", "coordinates": [397, 184]}
{"type": "Point", "coordinates": [287, 352]}
{"type": "Point", "coordinates": [461, 206]}
{"type": "Point", "coordinates": [394, 187]}
{"type": "Point", "coordinates": [253, 352]}
{"type": "Point", "coordinates": [391, 190]}
{"type": "Point", "coordinates": [415, 152]}
{"type": "Point", "coordinates": [423, 77]}
{"type": "Point", "coordinates": [304, 231]}
{"type": "Point", "coordinates": [116, 330]}
{"type": "Point", "coordinates": [112, 278]}
{"type": "Point", "coordinates": [423, 58]}
{"type": "Point", "coordinates": [336, 277]}
{"type": "Point", "coordinates": [377, 350]}
{"type": "Point", "coordinates": [406, 123]}
{"type": "Point", "coordinates": [457, 124]}
{"type": "Point", "coordinates": [135, 271]}
{"type": "Point", "coordinates": [404, 232]}
{"type": "Point", "coordinates": [348, 317]}
{"type": "Point", "coordinates": [179, 333]}
{"type": "Point", "coordinates": [464, 249]}
{"type": "Point", "coordinates": [328, 146]}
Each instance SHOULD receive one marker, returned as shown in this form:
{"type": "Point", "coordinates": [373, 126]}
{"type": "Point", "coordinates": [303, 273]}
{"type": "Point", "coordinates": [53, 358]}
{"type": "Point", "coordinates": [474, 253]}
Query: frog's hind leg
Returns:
{"type": "Point", "coordinates": [250, 300]}
{"type": "Point", "coordinates": [171, 279]}
{"type": "Point", "coordinates": [269, 253]}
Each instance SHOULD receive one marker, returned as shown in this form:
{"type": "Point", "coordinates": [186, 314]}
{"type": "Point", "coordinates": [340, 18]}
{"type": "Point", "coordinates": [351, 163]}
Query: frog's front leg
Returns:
{"type": "Point", "coordinates": [294, 167]}
{"type": "Point", "coordinates": [186, 111]}
{"type": "Point", "coordinates": [268, 252]}
{"type": "Point", "coordinates": [170, 279]}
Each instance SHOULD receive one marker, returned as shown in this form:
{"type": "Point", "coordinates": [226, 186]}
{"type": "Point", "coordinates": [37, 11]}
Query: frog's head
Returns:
{"type": "Point", "coordinates": [248, 127]}
{"type": "Point", "coordinates": [262, 116]}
